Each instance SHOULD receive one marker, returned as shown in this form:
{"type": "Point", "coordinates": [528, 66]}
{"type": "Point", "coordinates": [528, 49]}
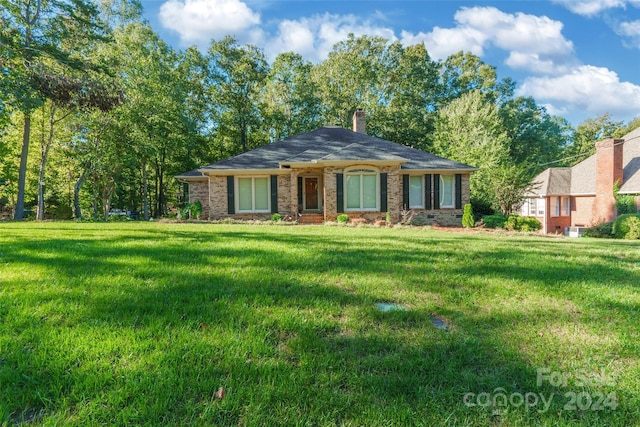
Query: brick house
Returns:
{"type": "Point", "coordinates": [316, 176]}
{"type": "Point", "coordinates": [582, 195]}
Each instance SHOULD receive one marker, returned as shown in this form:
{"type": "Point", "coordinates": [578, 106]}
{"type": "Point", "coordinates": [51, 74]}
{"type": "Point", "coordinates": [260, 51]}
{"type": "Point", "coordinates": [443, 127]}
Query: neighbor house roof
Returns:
{"type": "Point", "coordinates": [331, 144]}
{"type": "Point", "coordinates": [631, 163]}
{"type": "Point", "coordinates": [581, 178]}
{"type": "Point", "coordinates": [552, 182]}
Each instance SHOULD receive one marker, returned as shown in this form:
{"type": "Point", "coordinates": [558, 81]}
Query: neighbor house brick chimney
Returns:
{"type": "Point", "coordinates": [609, 170]}
{"type": "Point", "coordinates": [359, 122]}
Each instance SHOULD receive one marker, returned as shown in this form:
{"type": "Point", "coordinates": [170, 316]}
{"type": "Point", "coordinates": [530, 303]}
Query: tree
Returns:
{"type": "Point", "coordinates": [469, 130]}
{"type": "Point", "coordinates": [33, 38]}
{"type": "Point", "coordinates": [356, 75]}
{"type": "Point", "coordinates": [535, 137]}
{"type": "Point", "coordinates": [412, 93]}
{"type": "Point", "coordinates": [464, 72]}
{"type": "Point", "coordinates": [237, 76]}
{"type": "Point", "coordinates": [290, 101]}
{"type": "Point", "coordinates": [588, 133]}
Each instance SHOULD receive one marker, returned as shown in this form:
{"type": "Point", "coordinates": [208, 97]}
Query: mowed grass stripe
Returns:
{"type": "Point", "coordinates": [141, 323]}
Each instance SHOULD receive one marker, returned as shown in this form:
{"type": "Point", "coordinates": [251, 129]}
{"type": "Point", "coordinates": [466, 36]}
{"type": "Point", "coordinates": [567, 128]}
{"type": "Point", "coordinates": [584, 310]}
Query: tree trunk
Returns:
{"type": "Point", "coordinates": [44, 154]}
{"type": "Point", "coordinates": [145, 191]}
{"type": "Point", "coordinates": [22, 173]}
{"type": "Point", "coordinates": [76, 192]}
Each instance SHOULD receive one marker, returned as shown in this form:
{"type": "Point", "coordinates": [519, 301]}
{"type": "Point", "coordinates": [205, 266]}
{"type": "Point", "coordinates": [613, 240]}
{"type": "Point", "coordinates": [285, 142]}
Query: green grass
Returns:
{"type": "Point", "coordinates": [140, 324]}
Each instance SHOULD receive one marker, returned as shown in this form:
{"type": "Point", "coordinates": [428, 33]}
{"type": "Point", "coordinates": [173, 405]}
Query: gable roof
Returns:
{"type": "Point", "coordinates": [581, 178]}
{"type": "Point", "coordinates": [331, 144]}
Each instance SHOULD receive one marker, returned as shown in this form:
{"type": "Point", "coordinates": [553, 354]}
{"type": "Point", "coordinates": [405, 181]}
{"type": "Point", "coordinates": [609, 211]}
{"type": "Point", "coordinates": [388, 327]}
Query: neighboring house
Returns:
{"type": "Point", "coordinates": [316, 176]}
{"type": "Point", "coordinates": [582, 196]}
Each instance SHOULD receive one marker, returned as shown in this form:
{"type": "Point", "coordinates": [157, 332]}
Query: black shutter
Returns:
{"type": "Point", "coordinates": [458, 191]}
{"type": "Point", "coordinates": [405, 192]}
{"type": "Point", "coordinates": [274, 193]}
{"type": "Point", "coordinates": [299, 194]}
{"type": "Point", "coordinates": [231, 201]}
{"type": "Point", "coordinates": [427, 191]}
{"type": "Point", "coordinates": [383, 192]}
{"type": "Point", "coordinates": [340, 192]}
{"type": "Point", "coordinates": [436, 191]}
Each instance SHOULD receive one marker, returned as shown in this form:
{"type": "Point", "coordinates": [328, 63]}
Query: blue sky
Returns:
{"type": "Point", "coordinates": [578, 58]}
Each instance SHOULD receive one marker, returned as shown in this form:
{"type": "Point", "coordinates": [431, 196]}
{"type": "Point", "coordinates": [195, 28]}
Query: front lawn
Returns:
{"type": "Point", "coordinates": [226, 325]}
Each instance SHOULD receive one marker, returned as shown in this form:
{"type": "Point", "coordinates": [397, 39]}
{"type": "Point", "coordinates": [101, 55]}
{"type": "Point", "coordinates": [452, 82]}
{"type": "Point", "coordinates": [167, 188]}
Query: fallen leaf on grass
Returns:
{"type": "Point", "coordinates": [220, 393]}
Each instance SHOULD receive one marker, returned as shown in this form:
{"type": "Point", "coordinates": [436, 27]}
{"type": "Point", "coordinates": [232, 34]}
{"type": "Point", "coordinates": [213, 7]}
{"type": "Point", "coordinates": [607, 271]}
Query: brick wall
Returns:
{"type": "Point", "coordinates": [581, 210]}
{"type": "Point", "coordinates": [330, 199]}
{"type": "Point", "coordinates": [199, 191]}
{"type": "Point", "coordinates": [608, 170]}
{"type": "Point", "coordinates": [219, 207]}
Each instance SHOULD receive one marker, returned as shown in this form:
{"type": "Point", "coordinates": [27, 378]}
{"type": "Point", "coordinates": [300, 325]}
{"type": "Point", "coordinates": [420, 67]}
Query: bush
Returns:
{"type": "Point", "coordinates": [481, 208]}
{"type": "Point", "coordinates": [276, 217]}
{"type": "Point", "coordinates": [516, 222]}
{"type": "Point", "coordinates": [603, 231]}
{"type": "Point", "coordinates": [468, 220]}
{"type": "Point", "coordinates": [343, 218]}
{"type": "Point", "coordinates": [494, 221]}
{"type": "Point", "coordinates": [626, 204]}
{"type": "Point", "coordinates": [627, 226]}
{"type": "Point", "coordinates": [195, 210]}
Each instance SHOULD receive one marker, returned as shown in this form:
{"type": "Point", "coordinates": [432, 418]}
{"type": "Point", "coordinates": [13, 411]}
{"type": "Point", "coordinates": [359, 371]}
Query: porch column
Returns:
{"type": "Point", "coordinates": [329, 194]}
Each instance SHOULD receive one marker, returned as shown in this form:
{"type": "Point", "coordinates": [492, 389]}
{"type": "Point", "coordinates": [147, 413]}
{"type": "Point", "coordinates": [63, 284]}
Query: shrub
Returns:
{"type": "Point", "coordinates": [516, 222]}
{"type": "Point", "coordinates": [343, 218]}
{"type": "Point", "coordinates": [604, 231]}
{"type": "Point", "coordinates": [627, 226]}
{"type": "Point", "coordinates": [276, 217]}
{"type": "Point", "coordinates": [467, 216]}
{"type": "Point", "coordinates": [195, 210]}
{"type": "Point", "coordinates": [494, 221]}
{"type": "Point", "coordinates": [481, 208]}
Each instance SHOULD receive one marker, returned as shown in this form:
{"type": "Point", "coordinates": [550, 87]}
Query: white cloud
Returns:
{"type": "Point", "coordinates": [590, 7]}
{"type": "Point", "coordinates": [442, 42]}
{"type": "Point", "coordinates": [535, 43]}
{"type": "Point", "coordinates": [586, 89]}
{"type": "Point", "coordinates": [198, 21]}
{"type": "Point", "coordinates": [315, 36]}
{"type": "Point", "coordinates": [631, 30]}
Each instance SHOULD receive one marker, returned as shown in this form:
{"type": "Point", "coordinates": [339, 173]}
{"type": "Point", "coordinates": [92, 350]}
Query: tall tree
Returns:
{"type": "Point", "coordinates": [356, 75]}
{"type": "Point", "coordinates": [238, 74]}
{"type": "Point", "coordinates": [588, 133]}
{"type": "Point", "coordinates": [290, 101]}
{"type": "Point", "coordinates": [33, 37]}
{"type": "Point", "coordinates": [469, 130]}
{"type": "Point", "coordinates": [535, 137]}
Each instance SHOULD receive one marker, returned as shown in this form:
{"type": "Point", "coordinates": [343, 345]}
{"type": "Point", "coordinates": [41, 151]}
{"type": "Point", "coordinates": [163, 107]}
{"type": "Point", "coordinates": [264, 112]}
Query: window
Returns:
{"type": "Point", "coordinates": [253, 195]}
{"type": "Point", "coordinates": [555, 206]}
{"type": "Point", "coordinates": [540, 207]}
{"type": "Point", "coordinates": [566, 206]}
{"type": "Point", "coordinates": [532, 207]}
{"type": "Point", "coordinates": [361, 188]}
{"type": "Point", "coordinates": [416, 191]}
{"type": "Point", "coordinates": [447, 189]}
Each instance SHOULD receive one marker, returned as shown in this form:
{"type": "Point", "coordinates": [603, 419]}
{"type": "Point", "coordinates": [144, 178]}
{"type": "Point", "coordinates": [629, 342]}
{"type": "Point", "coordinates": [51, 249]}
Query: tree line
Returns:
{"type": "Point", "coordinates": [98, 112]}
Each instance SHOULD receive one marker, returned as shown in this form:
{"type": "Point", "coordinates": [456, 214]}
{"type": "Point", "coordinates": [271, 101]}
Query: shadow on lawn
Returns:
{"type": "Point", "coordinates": [307, 365]}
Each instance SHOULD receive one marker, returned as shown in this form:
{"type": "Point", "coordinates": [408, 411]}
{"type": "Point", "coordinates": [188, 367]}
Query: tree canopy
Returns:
{"type": "Point", "coordinates": [117, 112]}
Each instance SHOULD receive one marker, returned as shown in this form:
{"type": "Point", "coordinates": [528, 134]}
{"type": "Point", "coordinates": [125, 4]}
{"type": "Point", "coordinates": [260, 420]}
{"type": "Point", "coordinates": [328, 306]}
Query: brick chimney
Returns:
{"type": "Point", "coordinates": [609, 170]}
{"type": "Point", "coordinates": [359, 122]}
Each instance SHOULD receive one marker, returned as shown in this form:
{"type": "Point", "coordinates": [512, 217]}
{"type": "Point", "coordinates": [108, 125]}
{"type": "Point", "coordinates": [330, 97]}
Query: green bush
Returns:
{"type": "Point", "coordinates": [603, 231]}
{"type": "Point", "coordinates": [627, 226]}
{"type": "Point", "coordinates": [468, 220]}
{"type": "Point", "coordinates": [481, 208]}
{"type": "Point", "coordinates": [343, 218]}
{"type": "Point", "coordinates": [516, 222]}
{"type": "Point", "coordinates": [195, 210]}
{"type": "Point", "coordinates": [494, 221]}
{"type": "Point", "coordinates": [276, 217]}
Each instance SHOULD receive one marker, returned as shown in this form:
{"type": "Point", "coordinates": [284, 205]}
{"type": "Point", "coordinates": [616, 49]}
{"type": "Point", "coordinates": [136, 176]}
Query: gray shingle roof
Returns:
{"type": "Point", "coordinates": [631, 156]}
{"type": "Point", "coordinates": [332, 143]}
{"type": "Point", "coordinates": [581, 178]}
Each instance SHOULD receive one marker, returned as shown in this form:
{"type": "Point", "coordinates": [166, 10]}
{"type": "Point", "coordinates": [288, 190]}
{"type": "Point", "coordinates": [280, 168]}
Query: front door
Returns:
{"type": "Point", "coordinates": [311, 191]}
